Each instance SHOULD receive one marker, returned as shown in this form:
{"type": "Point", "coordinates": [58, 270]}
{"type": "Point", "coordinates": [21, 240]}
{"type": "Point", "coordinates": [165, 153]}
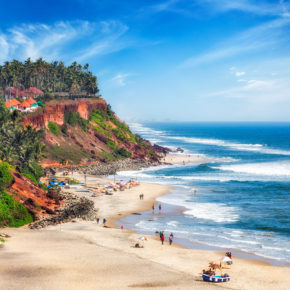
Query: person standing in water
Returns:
{"type": "Point", "coordinates": [160, 208]}
{"type": "Point", "coordinates": [153, 208]}
{"type": "Point", "coordinates": [170, 239]}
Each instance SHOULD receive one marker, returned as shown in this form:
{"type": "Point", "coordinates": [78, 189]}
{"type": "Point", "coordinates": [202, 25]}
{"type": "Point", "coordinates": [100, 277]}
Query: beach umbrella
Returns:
{"type": "Point", "coordinates": [142, 238]}
{"type": "Point", "coordinates": [226, 259]}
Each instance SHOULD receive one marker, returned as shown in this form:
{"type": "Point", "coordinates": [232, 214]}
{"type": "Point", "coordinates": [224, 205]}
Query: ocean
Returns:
{"type": "Point", "coordinates": [239, 199]}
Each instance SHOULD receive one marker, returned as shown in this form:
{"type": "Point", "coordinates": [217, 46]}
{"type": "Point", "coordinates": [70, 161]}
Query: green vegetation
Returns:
{"type": "Point", "coordinates": [5, 175]}
{"type": "Point", "coordinates": [72, 181]}
{"type": "Point", "coordinates": [123, 152]}
{"type": "Point", "coordinates": [12, 212]}
{"type": "Point", "coordinates": [64, 130]}
{"type": "Point", "coordinates": [112, 145]}
{"type": "Point", "coordinates": [122, 132]}
{"type": "Point", "coordinates": [75, 119]}
{"type": "Point", "coordinates": [99, 117]}
{"type": "Point", "coordinates": [71, 153]}
{"type": "Point", "coordinates": [108, 156]}
{"type": "Point", "coordinates": [48, 77]}
{"type": "Point", "coordinates": [97, 129]}
{"type": "Point", "coordinates": [108, 134]}
{"type": "Point", "coordinates": [20, 146]}
{"type": "Point", "coordinates": [53, 128]}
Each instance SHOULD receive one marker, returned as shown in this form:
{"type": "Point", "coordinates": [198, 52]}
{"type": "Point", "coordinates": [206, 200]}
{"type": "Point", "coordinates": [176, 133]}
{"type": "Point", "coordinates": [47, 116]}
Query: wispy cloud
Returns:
{"type": "Point", "coordinates": [248, 6]}
{"type": "Point", "coordinates": [189, 7]}
{"type": "Point", "coordinates": [121, 79]}
{"type": "Point", "coordinates": [258, 91]}
{"type": "Point", "coordinates": [52, 41]}
{"type": "Point", "coordinates": [236, 72]}
{"type": "Point", "coordinates": [262, 36]}
{"type": "Point", "coordinates": [240, 73]}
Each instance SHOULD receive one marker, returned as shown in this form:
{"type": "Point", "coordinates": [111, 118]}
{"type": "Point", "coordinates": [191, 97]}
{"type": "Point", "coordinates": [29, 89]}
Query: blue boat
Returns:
{"type": "Point", "coordinates": [215, 278]}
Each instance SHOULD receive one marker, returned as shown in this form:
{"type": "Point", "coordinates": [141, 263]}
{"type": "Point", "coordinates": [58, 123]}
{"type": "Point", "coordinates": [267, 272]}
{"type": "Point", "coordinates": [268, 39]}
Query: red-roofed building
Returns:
{"type": "Point", "coordinates": [31, 92]}
{"type": "Point", "coordinates": [12, 103]}
{"type": "Point", "coordinates": [25, 104]}
{"type": "Point", "coordinates": [31, 101]}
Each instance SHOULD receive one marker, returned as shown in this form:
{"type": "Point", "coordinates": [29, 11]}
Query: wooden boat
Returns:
{"type": "Point", "coordinates": [215, 278]}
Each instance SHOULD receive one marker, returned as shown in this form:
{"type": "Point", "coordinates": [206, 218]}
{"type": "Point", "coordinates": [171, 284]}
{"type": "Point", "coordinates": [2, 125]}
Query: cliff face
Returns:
{"type": "Point", "coordinates": [104, 138]}
{"type": "Point", "coordinates": [55, 111]}
{"type": "Point", "coordinates": [38, 201]}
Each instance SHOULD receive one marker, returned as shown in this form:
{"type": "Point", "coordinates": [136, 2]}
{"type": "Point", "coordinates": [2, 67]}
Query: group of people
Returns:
{"type": "Point", "coordinates": [141, 196]}
{"type": "Point", "coordinates": [104, 221]}
{"type": "Point", "coordinates": [153, 207]}
{"type": "Point", "coordinates": [162, 238]}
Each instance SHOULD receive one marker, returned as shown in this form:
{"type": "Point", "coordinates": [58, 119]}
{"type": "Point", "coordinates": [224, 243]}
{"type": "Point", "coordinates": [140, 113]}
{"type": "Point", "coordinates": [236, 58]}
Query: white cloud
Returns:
{"type": "Point", "coordinates": [54, 41]}
{"type": "Point", "coordinates": [258, 85]}
{"type": "Point", "coordinates": [191, 8]}
{"type": "Point", "coordinates": [240, 73]}
{"type": "Point", "coordinates": [256, 38]}
{"type": "Point", "coordinates": [248, 6]}
{"type": "Point", "coordinates": [258, 91]}
{"type": "Point", "coordinates": [120, 79]}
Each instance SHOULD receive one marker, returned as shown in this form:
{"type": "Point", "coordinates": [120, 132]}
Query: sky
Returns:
{"type": "Point", "coordinates": [165, 60]}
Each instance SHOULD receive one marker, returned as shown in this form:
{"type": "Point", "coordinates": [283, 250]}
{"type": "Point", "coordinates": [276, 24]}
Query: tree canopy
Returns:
{"type": "Point", "coordinates": [18, 145]}
{"type": "Point", "coordinates": [48, 77]}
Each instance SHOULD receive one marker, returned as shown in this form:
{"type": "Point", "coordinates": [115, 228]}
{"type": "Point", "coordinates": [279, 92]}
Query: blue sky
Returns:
{"type": "Point", "coordinates": [185, 60]}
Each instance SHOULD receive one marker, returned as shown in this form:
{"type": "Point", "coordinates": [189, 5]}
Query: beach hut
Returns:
{"type": "Point", "coordinates": [12, 103]}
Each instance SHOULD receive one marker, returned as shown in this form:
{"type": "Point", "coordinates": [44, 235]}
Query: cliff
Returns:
{"type": "Point", "coordinates": [86, 131]}
{"type": "Point", "coordinates": [55, 111]}
{"type": "Point", "coordinates": [39, 202]}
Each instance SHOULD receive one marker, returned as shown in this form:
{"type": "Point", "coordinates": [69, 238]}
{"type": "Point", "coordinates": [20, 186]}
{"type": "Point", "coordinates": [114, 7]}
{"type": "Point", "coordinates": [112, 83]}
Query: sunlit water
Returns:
{"type": "Point", "coordinates": [238, 199]}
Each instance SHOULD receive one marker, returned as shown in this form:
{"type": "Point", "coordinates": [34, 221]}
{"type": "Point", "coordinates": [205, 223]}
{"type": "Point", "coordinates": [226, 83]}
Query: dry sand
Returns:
{"type": "Point", "coordinates": [84, 255]}
{"type": "Point", "coordinates": [179, 158]}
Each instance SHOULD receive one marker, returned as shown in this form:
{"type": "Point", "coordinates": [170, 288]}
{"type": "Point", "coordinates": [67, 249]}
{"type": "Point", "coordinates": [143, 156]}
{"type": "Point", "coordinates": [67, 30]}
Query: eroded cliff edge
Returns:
{"type": "Point", "coordinates": [98, 136]}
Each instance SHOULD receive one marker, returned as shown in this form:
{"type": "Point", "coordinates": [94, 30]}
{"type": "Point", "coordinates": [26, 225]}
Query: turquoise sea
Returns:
{"type": "Point", "coordinates": [239, 199]}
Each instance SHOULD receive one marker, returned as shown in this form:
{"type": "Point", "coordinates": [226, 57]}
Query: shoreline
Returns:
{"type": "Point", "coordinates": [175, 159]}
{"type": "Point", "coordinates": [130, 220]}
{"type": "Point", "coordinates": [86, 255]}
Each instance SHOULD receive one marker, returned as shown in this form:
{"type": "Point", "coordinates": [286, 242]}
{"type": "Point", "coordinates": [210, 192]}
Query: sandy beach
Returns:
{"type": "Point", "coordinates": [177, 158]}
{"type": "Point", "coordinates": [86, 255]}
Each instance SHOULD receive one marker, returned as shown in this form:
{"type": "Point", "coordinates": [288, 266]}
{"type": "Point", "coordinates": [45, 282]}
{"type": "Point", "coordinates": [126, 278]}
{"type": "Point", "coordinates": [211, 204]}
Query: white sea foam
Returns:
{"type": "Point", "coordinates": [219, 213]}
{"type": "Point", "coordinates": [276, 249]}
{"type": "Point", "coordinates": [216, 212]}
{"type": "Point", "coordinates": [236, 146]}
{"type": "Point", "coordinates": [173, 223]}
{"type": "Point", "coordinates": [278, 168]}
{"type": "Point", "coordinates": [142, 130]}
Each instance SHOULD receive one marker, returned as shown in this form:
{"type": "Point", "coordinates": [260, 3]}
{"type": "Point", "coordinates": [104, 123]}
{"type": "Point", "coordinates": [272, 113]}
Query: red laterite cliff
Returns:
{"type": "Point", "coordinates": [55, 111]}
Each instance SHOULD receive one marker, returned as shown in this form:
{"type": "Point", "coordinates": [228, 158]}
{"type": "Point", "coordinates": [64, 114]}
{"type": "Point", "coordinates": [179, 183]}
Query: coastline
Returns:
{"type": "Point", "coordinates": [81, 254]}
{"type": "Point", "coordinates": [132, 219]}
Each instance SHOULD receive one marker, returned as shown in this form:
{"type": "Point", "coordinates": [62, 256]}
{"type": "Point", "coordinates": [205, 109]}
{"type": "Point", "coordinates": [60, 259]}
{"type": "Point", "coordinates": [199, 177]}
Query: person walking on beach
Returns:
{"type": "Point", "coordinates": [140, 196]}
{"type": "Point", "coordinates": [98, 220]}
{"type": "Point", "coordinates": [160, 208]}
{"type": "Point", "coordinates": [170, 239]}
{"type": "Point", "coordinates": [104, 222]}
{"type": "Point", "coordinates": [153, 208]}
{"type": "Point", "coordinates": [162, 239]}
